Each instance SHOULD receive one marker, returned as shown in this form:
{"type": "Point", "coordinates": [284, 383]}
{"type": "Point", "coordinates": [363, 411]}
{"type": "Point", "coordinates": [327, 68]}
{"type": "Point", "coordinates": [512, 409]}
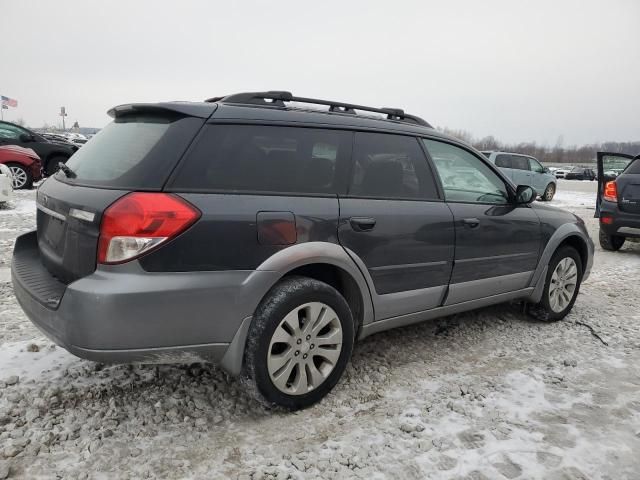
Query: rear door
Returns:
{"type": "Point", "coordinates": [395, 222]}
{"type": "Point", "coordinates": [497, 242]}
{"type": "Point", "coordinates": [504, 163]}
{"type": "Point", "coordinates": [136, 151]}
{"type": "Point", "coordinates": [610, 166]}
{"type": "Point", "coordinates": [522, 174]}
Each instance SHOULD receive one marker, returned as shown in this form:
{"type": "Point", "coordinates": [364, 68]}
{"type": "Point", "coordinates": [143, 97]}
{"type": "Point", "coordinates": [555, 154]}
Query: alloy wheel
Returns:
{"type": "Point", "coordinates": [549, 192]}
{"type": "Point", "coordinates": [19, 177]}
{"type": "Point", "coordinates": [304, 348]}
{"type": "Point", "coordinates": [563, 284]}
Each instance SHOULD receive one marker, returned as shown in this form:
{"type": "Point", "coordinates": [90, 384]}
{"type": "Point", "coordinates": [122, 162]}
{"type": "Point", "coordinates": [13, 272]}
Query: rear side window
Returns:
{"type": "Point", "coordinates": [133, 152]}
{"type": "Point", "coordinates": [504, 161]}
{"type": "Point", "coordinates": [254, 158]}
{"type": "Point", "coordinates": [390, 167]}
{"type": "Point", "coordinates": [519, 163]}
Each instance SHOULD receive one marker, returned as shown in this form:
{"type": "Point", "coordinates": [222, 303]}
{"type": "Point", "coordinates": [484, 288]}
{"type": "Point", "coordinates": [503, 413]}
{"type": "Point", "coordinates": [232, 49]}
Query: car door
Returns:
{"type": "Point", "coordinates": [497, 242]}
{"type": "Point", "coordinates": [396, 226]}
{"type": "Point", "coordinates": [504, 163]}
{"type": "Point", "coordinates": [609, 166]}
{"type": "Point", "coordinates": [539, 179]}
{"type": "Point", "coordinates": [522, 174]}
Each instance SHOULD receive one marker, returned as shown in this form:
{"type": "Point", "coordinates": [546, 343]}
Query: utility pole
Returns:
{"type": "Point", "coordinates": [63, 113]}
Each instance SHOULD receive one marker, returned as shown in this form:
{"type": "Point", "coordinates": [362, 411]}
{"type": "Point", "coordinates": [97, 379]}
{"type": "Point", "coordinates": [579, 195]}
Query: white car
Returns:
{"type": "Point", "coordinates": [561, 172]}
{"type": "Point", "coordinates": [6, 183]}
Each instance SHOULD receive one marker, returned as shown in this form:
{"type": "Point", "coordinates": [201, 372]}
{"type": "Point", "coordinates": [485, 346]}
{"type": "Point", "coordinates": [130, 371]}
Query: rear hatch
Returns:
{"type": "Point", "coordinates": [136, 152]}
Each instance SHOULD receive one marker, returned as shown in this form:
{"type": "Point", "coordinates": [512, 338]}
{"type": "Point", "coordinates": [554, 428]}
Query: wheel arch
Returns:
{"type": "Point", "coordinates": [323, 261]}
{"type": "Point", "coordinates": [568, 234]}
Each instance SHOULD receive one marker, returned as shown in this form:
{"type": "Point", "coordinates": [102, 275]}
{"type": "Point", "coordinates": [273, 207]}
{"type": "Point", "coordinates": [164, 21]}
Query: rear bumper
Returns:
{"type": "Point", "coordinates": [123, 314]}
{"type": "Point", "coordinates": [623, 223]}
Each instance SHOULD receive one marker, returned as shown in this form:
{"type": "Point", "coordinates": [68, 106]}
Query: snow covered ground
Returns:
{"type": "Point", "coordinates": [483, 395]}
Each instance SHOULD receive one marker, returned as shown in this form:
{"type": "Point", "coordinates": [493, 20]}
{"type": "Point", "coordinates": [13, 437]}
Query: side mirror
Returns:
{"type": "Point", "coordinates": [525, 195]}
{"type": "Point", "coordinates": [546, 170]}
{"type": "Point", "coordinates": [25, 137]}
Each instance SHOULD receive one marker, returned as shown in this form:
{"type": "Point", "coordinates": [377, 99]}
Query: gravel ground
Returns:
{"type": "Point", "coordinates": [484, 395]}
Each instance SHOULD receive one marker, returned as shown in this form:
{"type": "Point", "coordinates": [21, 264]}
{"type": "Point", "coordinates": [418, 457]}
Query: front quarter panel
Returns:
{"type": "Point", "coordinates": [556, 227]}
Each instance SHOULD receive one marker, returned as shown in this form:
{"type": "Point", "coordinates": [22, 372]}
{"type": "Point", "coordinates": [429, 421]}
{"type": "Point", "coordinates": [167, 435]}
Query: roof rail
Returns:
{"type": "Point", "coordinates": [278, 98]}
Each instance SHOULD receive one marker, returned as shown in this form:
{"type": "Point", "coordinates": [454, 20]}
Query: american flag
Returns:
{"type": "Point", "coordinates": [10, 102]}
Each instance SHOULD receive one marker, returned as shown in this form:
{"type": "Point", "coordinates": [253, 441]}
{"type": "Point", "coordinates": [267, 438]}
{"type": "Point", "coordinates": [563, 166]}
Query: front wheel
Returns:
{"type": "Point", "coordinates": [21, 176]}
{"type": "Point", "coordinates": [612, 243]}
{"type": "Point", "coordinates": [549, 192]}
{"type": "Point", "coordinates": [299, 343]}
{"type": "Point", "coordinates": [562, 285]}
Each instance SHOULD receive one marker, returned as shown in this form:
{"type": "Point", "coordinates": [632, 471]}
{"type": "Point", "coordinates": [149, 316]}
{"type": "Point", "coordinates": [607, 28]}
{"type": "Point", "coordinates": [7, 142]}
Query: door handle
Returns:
{"type": "Point", "coordinates": [471, 222]}
{"type": "Point", "coordinates": [362, 224]}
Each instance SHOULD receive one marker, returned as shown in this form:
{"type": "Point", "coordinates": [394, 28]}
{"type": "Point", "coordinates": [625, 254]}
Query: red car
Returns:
{"type": "Point", "coordinates": [24, 164]}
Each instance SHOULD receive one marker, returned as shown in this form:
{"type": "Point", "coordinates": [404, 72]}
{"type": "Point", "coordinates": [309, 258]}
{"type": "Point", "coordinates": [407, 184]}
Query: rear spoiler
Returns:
{"type": "Point", "coordinates": [189, 109]}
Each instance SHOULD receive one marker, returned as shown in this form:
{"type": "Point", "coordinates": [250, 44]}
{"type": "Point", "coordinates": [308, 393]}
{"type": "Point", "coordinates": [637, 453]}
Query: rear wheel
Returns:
{"type": "Point", "coordinates": [299, 343]}
{"type": "Point", "coordinates": [549, 192]}
{"type": "Point", "coordinates": [21, 176]}
{"type": "Point", "coordinates": [610, 242]}
{"type": "Point", "coordinates": [562, 285]}
{"type": "Point", "coordinates": [52, 164]}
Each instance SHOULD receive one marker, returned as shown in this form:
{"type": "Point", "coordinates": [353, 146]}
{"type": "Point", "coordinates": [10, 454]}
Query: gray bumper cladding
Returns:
{"type": "Point", "coordinates": [125, 314]}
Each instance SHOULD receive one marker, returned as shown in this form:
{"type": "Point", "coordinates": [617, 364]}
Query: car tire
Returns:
{"type": "Point", "coordinates": [562, 285]}
{"type": "Point", "coordinates": [282, 366]}
{"type": "Point", "coordinates": [22, 178]}
{"type": "Point", "coordinates": [549, 192]}
{"type": "Point", "coordinates": [612, 243]}
{"type": "Point", "coordinates": [52, 165]}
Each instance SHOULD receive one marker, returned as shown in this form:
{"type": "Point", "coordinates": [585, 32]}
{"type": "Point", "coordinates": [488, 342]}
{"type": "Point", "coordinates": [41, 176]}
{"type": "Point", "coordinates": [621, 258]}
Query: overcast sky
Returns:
{"type": "Point", "coordinates": [519, 70]}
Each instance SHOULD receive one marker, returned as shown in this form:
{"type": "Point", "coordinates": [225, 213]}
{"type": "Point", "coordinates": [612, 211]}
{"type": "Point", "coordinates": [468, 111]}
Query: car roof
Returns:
{"type": "Point", "coordinates": [220, 110]}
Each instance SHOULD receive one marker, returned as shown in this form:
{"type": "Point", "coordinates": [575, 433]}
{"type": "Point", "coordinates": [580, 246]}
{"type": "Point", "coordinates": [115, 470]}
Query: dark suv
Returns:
{"type": "Point", "coordinates": [618, 203]}
{"type": "Point", "coordinates": [51, 153]}
{"type": "Point", "coordinates": [268, 238]}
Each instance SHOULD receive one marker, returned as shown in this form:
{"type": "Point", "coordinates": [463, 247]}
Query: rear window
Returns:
{"type": "Point", "coordinates": [634, 167]}
{"type": "Point", "coordinates": [270, 159]}
{"type": "Point", "coordinates": [133, 152]}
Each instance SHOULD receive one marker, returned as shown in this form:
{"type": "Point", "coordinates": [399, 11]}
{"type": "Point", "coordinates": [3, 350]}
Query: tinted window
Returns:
{"type": "Point", "coordinates": [390, 166]}
{"type": "Point", "coordinates": [465, 177]}
{"type": "Point", "coordinates": [519, 163]}
{"type": "Point", "coordinates": [266, 159]}
{"type": "Point", "coordinates": [504, 161]}
{"type": "Point", "coordinates": [535, 165]}
{"type": "Point", "coordinates": [634, 167]}
{"type": "Point", "coordinates": [133, 152]}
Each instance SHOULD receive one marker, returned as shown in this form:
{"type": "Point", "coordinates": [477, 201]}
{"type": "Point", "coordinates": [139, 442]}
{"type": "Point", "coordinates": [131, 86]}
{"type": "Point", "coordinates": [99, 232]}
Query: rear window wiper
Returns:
{"type": "Point", "coordinates": [66, 170]}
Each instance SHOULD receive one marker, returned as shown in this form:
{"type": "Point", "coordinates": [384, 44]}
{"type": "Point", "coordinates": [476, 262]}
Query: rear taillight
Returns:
{"type": "Point", "coordinates": [139, 222]}
{"type": "Point", "coordinates": [610, 191]}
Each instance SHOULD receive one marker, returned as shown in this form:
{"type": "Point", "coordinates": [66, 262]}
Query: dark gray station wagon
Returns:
{"type": "Point", "coordinates": [266, 237]}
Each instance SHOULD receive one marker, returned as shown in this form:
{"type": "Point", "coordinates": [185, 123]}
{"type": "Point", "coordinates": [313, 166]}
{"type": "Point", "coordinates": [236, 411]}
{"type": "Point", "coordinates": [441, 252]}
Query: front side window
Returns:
{"type": "Point", "coordinates": [390, 167]}
{"type": "Point", "coordinates": [255, 158]}
{"type": "Point", "coordinates": [465, 177]}
{"type": "Point", "coordinates": [535, 165]}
